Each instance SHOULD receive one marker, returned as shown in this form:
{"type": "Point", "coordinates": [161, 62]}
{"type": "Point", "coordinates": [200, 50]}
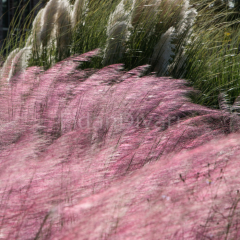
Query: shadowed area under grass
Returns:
{"type": "Point", "coordinates": [110, 154]}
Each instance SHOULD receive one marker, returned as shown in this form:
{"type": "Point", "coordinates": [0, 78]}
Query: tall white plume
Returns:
{"type": "Point", "coordinates": [117, 32]}
{"type": "Point", "coordinates": [7, 66]}
{"type": "Point", "coordinates": [63, 28]}
{"type": "Point", "coordinates": [80, 9]}
{"type": "Point", "coordinates": [48, 20]}
{"type": "Point", "coordinates": [163, 51]}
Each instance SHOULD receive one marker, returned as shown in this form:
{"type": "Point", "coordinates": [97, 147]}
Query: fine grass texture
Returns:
{"type": "Point", "coordinates": [99, 150]}
{"type": "Point", "coordinates": [112, 154]}
{"type": "Point", "coordinates": [212, 55]}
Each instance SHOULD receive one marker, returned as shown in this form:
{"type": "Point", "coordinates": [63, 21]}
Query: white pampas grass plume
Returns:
{"type": "Point", "coordinates": [16, 65]}
{"type": "Point", "coordinates": [26, 54]}
{"type": "Point", "coordinates": [48, 20]}
{"type": "Point", "coordinates": [79, 10]}
{"type": "Point", "coordinates": [115, 45]}
{"type": "Point", "coordinates": [224, 103]}
{"type": "Point", "coordinates": [8, 65]}
{"type": "Point", "coordinates": [117, 32]}
{"type": "Point", "coordinates": [63, 30]}
{"type": "Point", "coordinates": [185, 28]}
{"type": "Point", "coordinates": [185, 6]}
{"type": "Point", "coordinates": [188, 17]}
{"type": "Point", "coordinates": [36, 30]}
{"type": "Point", "coordinates": [236, 105]}
{"type": "Point", "coordinates": [120, 14]}
{"type": "Point", "coordinates": [163, 53]}
{"type": "Point", "coordinates": [52, 25]}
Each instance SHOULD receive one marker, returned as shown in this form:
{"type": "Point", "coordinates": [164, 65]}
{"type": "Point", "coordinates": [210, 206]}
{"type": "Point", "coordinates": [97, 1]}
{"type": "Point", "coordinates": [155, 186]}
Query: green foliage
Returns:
{"type": "Point", "coordinates": [212, 64]}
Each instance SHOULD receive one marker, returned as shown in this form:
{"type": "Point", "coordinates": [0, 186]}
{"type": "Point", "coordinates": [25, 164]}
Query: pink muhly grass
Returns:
{"type": "Point", "coordinates": [113, 149]}
{"type": "Point", "coordinates": [186, 195]}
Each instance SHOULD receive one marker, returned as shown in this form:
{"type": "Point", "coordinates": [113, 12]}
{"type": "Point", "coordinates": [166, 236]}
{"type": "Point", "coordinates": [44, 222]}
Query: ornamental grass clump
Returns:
{"type": "Point", "coordinates": [90, 31]}
{"type": "Point", "coordinates": [50, 38]}
{"type": "Point", "coordinates": [52, 33]}
{"type": "Point", "coordinates": [79, 11]}
{"type": "Point", "coordinates": [115, 149]}
{"type": "Point", "coordinates": [212, 54]}
{"type": "Point", "coordinates": [17, 43]}
{"type": "Point", "coordinates": [146, 31]}
{"type": "Point", "coordinates": [63, 30]}
{"type": "Point", "coordinates": [117, 32]}
{"type": "Point", "coordinates": [130, 31]}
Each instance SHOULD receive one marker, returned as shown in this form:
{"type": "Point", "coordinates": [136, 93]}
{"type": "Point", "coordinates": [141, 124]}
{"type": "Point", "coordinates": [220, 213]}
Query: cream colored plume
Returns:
{"type": "Point", "coordinates": [54, 23]}
{"type": "Point", "coordinates": [163, 52]}
{"type": "Point", "coordinates": [187, 18]}
{"type": "Point", "coordinates": [35, 38]}
{"type": "Point", "coordinates": [48, 19]}
{"type": "Point", "coordinates": [16, 65]}
{"type": "Point", "coordinates": [80, 9]}
{"type": "Point", "coordinates": [185, 27]}
{"type": "Point", "coordinates": [117, 32]}
{"type": "Point", "coordinates": [51, 25]}
{"type": "Point", "coordinates": [63, 28]}
{"type": "Point", "coordinates": [7, 66]}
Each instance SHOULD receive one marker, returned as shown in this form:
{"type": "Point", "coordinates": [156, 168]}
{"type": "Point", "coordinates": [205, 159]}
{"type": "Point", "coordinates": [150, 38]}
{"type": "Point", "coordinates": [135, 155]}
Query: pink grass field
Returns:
{"type": "Point", "coordinates": [110, 154]}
